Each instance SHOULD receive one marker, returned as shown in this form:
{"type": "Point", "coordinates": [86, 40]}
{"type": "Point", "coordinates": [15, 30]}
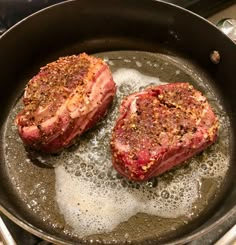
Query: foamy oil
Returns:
{"type": "Point", "coordinates": [82, 196]}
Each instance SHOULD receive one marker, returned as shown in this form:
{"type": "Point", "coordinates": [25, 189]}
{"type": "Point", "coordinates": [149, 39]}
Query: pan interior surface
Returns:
{"type": "Point", "coordinates": [77, 195]}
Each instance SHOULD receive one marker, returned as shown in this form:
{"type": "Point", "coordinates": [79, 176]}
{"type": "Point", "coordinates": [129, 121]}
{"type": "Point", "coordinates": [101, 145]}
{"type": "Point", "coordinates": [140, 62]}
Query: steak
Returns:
{"type": "Point", "coordinates": [160, 128]}
{"type": "Point", "coordinates": [66, 98]}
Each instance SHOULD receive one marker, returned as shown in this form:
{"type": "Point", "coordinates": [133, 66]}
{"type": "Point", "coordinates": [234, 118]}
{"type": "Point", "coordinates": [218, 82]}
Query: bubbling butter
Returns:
{"type": "Point", "coordinates": [94, 199]}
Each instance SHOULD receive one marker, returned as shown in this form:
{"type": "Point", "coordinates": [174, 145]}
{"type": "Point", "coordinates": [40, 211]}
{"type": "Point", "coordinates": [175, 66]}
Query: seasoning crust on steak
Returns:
{"type": "Point", "coordinates": [160, 128]}
{"type": "Point", "coordinates": [66, 98]}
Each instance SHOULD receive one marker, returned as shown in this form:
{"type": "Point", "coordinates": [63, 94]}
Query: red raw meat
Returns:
{"type": "Point", "coordinates": [66, 98]}
{"type": "Point", "coordinates": [160, 128]}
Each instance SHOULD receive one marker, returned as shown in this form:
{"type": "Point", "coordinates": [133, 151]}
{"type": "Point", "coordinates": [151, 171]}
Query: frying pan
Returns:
{"type": "Point", "coordinates": [98, 27]}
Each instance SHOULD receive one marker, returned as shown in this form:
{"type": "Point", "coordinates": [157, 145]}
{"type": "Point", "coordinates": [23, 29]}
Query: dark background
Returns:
{"type": "Point", "coordinates": [12, 11]}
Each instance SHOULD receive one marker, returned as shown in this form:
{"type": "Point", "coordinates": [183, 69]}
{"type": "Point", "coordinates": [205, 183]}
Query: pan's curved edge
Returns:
{"type": "Point", "coordinates": [33, 230]}
{"type": "Point", "coordinates": [31, 15]}
{"type": "Point", "coordinates": [65, 2]}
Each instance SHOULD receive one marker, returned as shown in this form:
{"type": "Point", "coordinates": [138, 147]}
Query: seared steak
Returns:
{"type": "Point", "coordinates": [160, 128]}
{"type": "Point", "coordinates": [66, 98]}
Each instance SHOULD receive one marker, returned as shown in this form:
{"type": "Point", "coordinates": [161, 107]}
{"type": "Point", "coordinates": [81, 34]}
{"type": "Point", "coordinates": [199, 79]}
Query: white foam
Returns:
{"type": "Point", "coordinates": [138, 64]}
{"type": "Point", "coordinates": [110, 62]}
{"type": "Point", "coordinates": [130, 81]}
{"type": "Point", "coordinates": [90, 209]}
{"type": "Point", "coordinates": [177, 72]}
{"type": "Point", "coordinates": [94, 200]}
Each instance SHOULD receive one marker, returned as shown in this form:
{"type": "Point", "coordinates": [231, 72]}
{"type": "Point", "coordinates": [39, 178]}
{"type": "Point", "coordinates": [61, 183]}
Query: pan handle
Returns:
{"type": "Point", "coordinates": [228, 26]}
{"type": "Point", "coordinates": [5, 234]}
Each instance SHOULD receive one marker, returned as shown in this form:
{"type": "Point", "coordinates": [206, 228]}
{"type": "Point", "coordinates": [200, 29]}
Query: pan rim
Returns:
{"type": "Point", "coordinates": [65, 2]}
{"type": "Point", "coordinates": [51, 238]}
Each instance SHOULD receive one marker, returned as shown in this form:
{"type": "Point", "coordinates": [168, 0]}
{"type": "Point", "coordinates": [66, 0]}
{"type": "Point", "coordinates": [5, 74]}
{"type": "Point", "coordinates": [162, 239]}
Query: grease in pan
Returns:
{"type": "Point", "coordinates": [170, 201]}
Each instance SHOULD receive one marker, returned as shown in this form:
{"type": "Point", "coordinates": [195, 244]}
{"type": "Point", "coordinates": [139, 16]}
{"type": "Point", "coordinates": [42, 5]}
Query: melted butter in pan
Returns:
{"type": "Point", "coordinates": [85, 197]}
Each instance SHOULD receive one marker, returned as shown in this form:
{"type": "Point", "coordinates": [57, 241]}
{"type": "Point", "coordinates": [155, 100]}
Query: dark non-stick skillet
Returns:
{"type": "Point", "coordinates": [153, 38]}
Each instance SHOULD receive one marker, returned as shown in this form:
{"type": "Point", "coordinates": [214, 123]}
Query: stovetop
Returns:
{"type": "Point", "coordinates": [12, 11]}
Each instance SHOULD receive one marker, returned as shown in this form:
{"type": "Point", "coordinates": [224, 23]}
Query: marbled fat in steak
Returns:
{"type": "Point", "coordinates": [160, 128]}
{"type": "Point", "coordinates": [66, 98]}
